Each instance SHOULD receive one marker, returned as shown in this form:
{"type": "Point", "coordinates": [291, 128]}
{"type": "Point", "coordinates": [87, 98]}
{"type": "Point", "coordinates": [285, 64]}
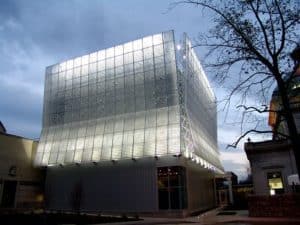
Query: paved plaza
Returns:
{"type": "Point", "coordinates": [239, 217]}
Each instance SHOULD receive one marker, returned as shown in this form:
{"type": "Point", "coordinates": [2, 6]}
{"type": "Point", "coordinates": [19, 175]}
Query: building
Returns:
{"type": "Point", "coordinates": [272, 176]}
{"type": "Point", "coordinates": [21, 185]}
{"type": "Point", "coordinates": [132, 128]}
{"type": "Point", "coordinates": [224, 183]}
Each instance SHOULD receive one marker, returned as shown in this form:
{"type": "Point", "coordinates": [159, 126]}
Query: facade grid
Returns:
{"type": "Point", "coordinates": [129, 101]}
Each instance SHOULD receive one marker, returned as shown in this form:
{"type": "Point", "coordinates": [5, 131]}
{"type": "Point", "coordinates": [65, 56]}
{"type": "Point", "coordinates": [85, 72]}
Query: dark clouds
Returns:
{"type": "Point", "coordinates": [35, 34]}
{"type": "Point", "coordinates": [57, 27]}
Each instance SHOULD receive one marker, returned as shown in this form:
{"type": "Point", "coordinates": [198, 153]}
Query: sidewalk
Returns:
{"type": "Point", "coordinates": [212, 218]}
{"type": "Point", "coordinates": [240, 217]}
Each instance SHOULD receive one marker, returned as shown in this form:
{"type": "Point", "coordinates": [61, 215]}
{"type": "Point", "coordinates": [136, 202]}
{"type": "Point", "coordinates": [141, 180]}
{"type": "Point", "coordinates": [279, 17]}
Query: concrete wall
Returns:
{"type": "Point", "coordinates": [19, 152]}
{"type": "Point", "coordinates": [201, 190]}
{"type": "Point", "coordinates": [16, 157]}
{"type": "Point", "coordinates": [124, 186]}
{"type": "Point", "coordinates": [271, 161]}
{"type": "Point", "coordinates": [104, 187]}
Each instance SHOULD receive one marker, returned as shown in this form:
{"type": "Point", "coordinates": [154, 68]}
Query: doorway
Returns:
{"type": "Point", "coordinates": [9, 194]}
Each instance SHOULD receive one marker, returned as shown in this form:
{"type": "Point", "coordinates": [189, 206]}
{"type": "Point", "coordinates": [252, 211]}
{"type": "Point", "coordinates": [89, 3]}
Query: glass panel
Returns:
{"type": "Point", "coordinates": [162, 117]}
{"type": "Point", "coordinates": [137, 44]}
{"type": "Point", "coordinates": [119, 50]}
{"type": "Point", "coordinates": [149, 148]}
{"type": "Point", "coordinates": [116, 152]}
{"type": "Point", "coordinates": [100, 104]}
{"type": "Point", "coordinates": [171, 187]}
{"type": "Point", "coordinates": [69, 64]}
{"type": "Point", "coordinates": [93, 68]}
{"type": "Point", "coordinates": [53, 157]}
{"type": "Point", "coordinates": [85, 59]}
{"type": "Point", "coordinates": [96, 155]}
{"type": "Point", "coordinates": [119, 125]}
{"type": "Point", "coordinates": [110, 52]}
{"type": "Point", "coordinates": [128, 47]}
{"type": "Point", "coordinates": [158, 50]}
{"type": "Point", "coordinates": [80, 143]}
{"type": "Point", "coordinates": [106, 147]}
{"type": "Point", "coordinates": [61, 157]}
{"type": "Point", "coordinates": [62, 66]}
{"type": "Point", "coordinates": [77, 62]}
{"type": "Point", "coordinates": [119, 60]}
{"type": "Point", "coordinates": [139, 120]}
{"type": "Point", "coordinates": [139, 136]}
{"type": "Point", "coordinates": [101, 55]}
{"type": "Point", "coordinates": [128, 58]}
{"type": "Point", "coordinates": [93, 57]}
{"type": "Point", "coordinates": [138, 150]}
{"type": "Point", "coordinates": [127, 151]}
{"type": "Point", "coordinates": [147, 42]}
{"type": "Point", "coordinates": [101, 66]}
{"type": "Point", "coordinates": [138, 56]}
{"type": "Point", "coordinates": [148, 53]}
{"type": "Point", "coordinates": [168, 36]}
{"type": "Point", "coordinates": [118, 139]}
{"type": "Point", "coordinates": [78, 156]}
{"type": "Point", "coordinates": [88, 143]}
{"type": "Point", "coordinates": [87, 155]}
{"type": "Point", "coordinates": [157, 39]}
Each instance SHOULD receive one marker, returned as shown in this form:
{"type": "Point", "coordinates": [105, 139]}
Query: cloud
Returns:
{"type": "Point", "coordinates": [236, 161]}
{"type": "Point", "coordinates": [35, 34]}
{"type": "Point", "coordinates": [236, 157]}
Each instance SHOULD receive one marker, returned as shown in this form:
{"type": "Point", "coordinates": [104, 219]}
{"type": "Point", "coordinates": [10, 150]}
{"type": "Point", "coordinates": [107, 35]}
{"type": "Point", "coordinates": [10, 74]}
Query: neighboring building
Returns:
{"type": "Point", "coordinates": [132, 128]}
{"type": "Point", "coordinates": [21, 185]}
{"type": "Point", "coordinates": [2, 128]}
{"type": "Point", "coordinates": [224, 184]}
{"type": "Point", "coordinates": [273, 161]}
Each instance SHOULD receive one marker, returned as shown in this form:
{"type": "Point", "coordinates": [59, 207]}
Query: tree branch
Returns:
{"type": "Point", "coordinates": [234, 144]}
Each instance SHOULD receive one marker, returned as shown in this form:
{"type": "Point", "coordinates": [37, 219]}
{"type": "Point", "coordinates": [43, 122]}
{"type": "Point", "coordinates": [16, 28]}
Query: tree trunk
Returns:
{"type": "Point", "coordinates": [288, 115]}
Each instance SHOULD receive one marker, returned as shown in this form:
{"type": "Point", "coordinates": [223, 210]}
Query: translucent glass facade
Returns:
{"type": "Point", "coordinates": [122, 102]}
{"type": "Point", "coordinates": [198, 110]}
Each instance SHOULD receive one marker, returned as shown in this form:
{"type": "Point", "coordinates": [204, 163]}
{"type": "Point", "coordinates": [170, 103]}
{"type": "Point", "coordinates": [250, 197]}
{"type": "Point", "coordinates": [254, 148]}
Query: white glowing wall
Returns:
{"type": "Point", "coordinates": [121, 102]}
{"type": "Point", "coordinates": [139, 99]}
{"type": "Point", "coordinates": [198, 109]}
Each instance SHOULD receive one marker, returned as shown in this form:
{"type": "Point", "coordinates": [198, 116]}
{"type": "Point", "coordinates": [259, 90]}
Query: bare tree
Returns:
{"type": "Point", "coordinates": [250, 45]}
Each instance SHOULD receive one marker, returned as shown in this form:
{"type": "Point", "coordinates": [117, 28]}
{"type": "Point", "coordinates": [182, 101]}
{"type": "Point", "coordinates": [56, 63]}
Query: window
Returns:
{"type": "Point", "coordinates": [275, 183]}
{"type": "Point", "coordinates": [171, 187]}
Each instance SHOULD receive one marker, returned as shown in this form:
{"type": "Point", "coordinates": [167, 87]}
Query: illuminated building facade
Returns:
{"type": "Point", "coordinates": [141, 111]}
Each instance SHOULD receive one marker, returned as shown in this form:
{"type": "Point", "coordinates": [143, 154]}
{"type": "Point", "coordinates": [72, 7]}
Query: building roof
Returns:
{"type": "Point", "coordinates": [266, 146]}
{"type": "Point", "coordinates": [2, 128]}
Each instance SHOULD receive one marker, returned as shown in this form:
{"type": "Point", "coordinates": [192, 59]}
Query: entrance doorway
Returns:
{"type": "Point", "coordinates": [9, 194]}
{"type": "Point", "coordinates": [171, 187]}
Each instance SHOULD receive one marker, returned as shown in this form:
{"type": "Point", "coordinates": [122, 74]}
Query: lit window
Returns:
{"type": "Point", "coordinates": [275, 183]}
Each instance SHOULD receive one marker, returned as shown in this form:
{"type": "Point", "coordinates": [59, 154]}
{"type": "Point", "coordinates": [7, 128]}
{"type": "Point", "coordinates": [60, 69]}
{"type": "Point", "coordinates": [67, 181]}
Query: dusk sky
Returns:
{"type": "Point", "coordinates": [35, 34]}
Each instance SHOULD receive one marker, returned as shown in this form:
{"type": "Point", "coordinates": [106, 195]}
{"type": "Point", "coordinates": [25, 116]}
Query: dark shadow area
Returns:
{"type": "Point", "coordinates": [226, 213]}
{"type": "Point", "coordinates": [13, 218]}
